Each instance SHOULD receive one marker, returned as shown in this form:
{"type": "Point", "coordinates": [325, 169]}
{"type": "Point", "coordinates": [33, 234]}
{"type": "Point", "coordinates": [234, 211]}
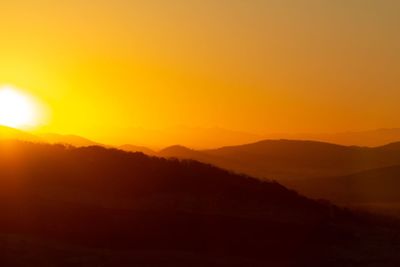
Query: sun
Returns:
{"type": "Point", "coordinates": [17, 109]}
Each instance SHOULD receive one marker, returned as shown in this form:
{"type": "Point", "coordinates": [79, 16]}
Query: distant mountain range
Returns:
{"type": "Point", "coordinates": [73, 140]}
{"type": "Point", "coordinates": [208, 138]}
{"type": "Point", "coordinates": [290, 159]}
{"type": "Point", "coordinates": [370, 138]}
{"type": "Point", "coordinates": [347, 175]}
{"type": "Point", "coordinates": [11, 133]}
{"type": "Point", "coordinates": [133, 148]}
{"type": "Point", "coordinates": [317, 169]}
{"type": "Point", "coordinates": [196, 137]}
{"type": "Point", "coordinates": [219, 137]}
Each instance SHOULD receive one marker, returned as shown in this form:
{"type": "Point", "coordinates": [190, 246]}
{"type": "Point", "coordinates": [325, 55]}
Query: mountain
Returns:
{"type": "Point", "coordinates": [179, 151]}
{"type": "Point", "coordinates": [284, 160]}
{"type": "Point", "coordinates": [7, 133]}
{"type": "Point", "coordinates": [395, 146]}
{"type": "Point", "coordinates": [133, 148]}
{"type": "Point", "coordinates": [72, 140]}
{"type": "Point", "coordinates": [197, 137]}
{"type": "Point", "coordinates": [92, 206]}
{"type": "Point", "coordinates": [206, 138]}
{"type": "Point", "coordinates": [202, 137]}
{"type": "Point", "coordinates": [371, 138]}
{"type": "Point", "coordinates": [79, 141]}
{"type": "Point", "coordinates": [346, 175]}
{"type": "Point", "coordinates": [96, 175]}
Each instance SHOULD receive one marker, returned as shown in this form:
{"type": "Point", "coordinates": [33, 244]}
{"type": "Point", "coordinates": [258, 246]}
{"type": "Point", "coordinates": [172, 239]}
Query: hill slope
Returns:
{"type": "Point", "coordinates": [94, 206]}
{"type": "Point", "coordinates": [112, 176]}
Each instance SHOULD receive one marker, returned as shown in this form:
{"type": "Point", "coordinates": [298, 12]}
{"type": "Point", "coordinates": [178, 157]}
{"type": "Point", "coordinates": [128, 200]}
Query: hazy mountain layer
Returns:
{"type": "Point", "coordinates": [290, 159]}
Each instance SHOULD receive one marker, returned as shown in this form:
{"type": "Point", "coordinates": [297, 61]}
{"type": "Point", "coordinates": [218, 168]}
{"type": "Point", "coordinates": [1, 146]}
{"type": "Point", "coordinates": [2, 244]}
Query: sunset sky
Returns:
{"type": "Point", "coordinates": [105, 68]}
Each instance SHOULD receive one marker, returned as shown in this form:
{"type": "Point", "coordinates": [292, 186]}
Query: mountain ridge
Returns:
{"type": "Point", "coordinates": [95, 199]}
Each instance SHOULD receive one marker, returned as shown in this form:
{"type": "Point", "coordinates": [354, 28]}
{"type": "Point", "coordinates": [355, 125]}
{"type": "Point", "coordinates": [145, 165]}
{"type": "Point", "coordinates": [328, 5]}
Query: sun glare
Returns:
{"type": "Point", "coordinates": [18, 109]}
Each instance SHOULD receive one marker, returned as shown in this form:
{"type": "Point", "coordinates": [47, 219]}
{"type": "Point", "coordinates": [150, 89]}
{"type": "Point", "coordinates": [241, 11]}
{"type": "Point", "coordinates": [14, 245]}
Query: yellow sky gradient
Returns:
{"type": "Point", "coordinates": [105, 68]}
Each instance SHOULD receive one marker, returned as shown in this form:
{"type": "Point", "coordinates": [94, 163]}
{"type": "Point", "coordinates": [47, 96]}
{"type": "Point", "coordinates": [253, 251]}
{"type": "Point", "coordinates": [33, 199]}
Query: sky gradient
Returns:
{"type": "Point", "coordinates": [106, 68]}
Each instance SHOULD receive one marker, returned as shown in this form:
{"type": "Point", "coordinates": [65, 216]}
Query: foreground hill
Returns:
{"type": "Point", "coordinates": [133, 180]}
{"type": "Point", "coordinates": [100, 207]}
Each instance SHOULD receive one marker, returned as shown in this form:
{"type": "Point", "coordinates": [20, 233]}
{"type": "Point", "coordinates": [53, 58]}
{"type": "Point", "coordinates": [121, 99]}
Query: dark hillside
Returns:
{"type": "Point", "coordinates": [101, 207]}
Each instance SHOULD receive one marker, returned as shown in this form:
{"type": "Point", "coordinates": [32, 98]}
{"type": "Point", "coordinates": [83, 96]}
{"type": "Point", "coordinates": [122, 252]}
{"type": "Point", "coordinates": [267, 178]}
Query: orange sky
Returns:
{"type": "Point", "coordinates": [106, 68]}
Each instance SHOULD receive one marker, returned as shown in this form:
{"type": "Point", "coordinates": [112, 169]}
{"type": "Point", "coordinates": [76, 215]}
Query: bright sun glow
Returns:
{"type": "Point", "coordinates": [17, 109]}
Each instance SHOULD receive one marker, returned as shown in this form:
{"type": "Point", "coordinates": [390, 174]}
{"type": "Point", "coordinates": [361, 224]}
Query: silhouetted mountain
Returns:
{"type": "Point", "coordinates": [290, 159]}
{"type": "Point", "coordinates": [315, 169]}
{"type": "Point", "coordinates": [196, 137]}
{"type": "Point", "coordinates": [370, 138]}
{"type": "Point", "coordinates": [96, 172]}
{"type": "Point", "coordinates": [133, 148]}
{"type": "Point", "coordinates": [391, 146]}
{"type": "Point", "coordinates": [211, 137]}
{"type": "Point", "coordinates": [72, 140]}
{"type": "Point", "coordinates": [179, 152]}
{"type": "Point", "coordinates": [7, 133]}
{"type": "Point", "coordinates": [205, 138]}
{"type": "Point", "coordinates": [102, 207]}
